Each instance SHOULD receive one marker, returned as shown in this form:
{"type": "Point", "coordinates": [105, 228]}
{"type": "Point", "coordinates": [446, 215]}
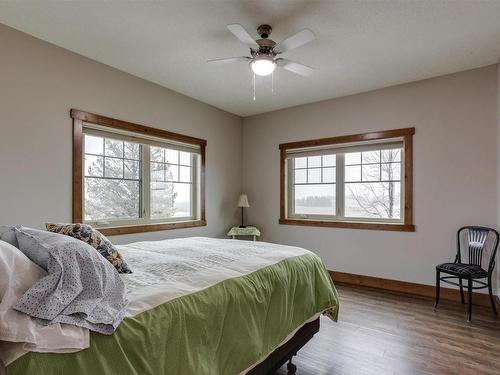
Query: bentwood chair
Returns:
{"type": "Point", "coordinates": [476, 248]}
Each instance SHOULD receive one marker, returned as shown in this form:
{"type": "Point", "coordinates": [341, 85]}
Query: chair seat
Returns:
{"type": "Point", "coordinates": [462, 269]}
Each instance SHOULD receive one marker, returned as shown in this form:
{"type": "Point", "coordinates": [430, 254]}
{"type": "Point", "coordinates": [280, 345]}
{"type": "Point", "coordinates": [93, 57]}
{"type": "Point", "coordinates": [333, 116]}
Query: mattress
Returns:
{"type": "Point", "coordinates": [201, 306]}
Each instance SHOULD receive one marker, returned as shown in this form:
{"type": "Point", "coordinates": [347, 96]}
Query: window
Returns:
{"type": "Point", "coordinates": [113, 178]}
{"type": "Point", "coordinates": [130, 178]}
{"type": "Point", "coordinates": [361, 181]}
{"type": "Point", "coordinates": [313, 182]}
{"type": "Point", "coordinates": [172, 183]}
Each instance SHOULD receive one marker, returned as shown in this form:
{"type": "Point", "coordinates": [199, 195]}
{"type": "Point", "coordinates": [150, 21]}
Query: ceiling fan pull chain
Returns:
{"type": "Point", "coordinates": [272, 83]}
{"type": "Point", "coordinates": [254, 87]}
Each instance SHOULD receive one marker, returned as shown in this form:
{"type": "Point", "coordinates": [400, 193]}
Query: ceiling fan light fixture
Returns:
{"type": "Point", "coordinates": [263, 66]}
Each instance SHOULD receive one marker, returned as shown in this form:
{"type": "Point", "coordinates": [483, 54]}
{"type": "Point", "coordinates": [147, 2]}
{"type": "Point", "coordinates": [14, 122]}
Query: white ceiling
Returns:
{"type": "Point", "coordinates": [360, 45]}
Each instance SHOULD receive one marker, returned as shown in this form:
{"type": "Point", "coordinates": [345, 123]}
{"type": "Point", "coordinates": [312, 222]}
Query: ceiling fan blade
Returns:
{"type": "Point", "coordinates": [243, 35]}
{"type": "Point", "coordinates": [228, 60]}
{"type": "Point", "coordinates": [294, 67]}
{"type": "Point", "coordinates": [294, 41]}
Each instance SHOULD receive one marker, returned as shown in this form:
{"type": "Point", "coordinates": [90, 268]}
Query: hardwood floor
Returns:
{"type": "Point", "coordinates": [385, 333]}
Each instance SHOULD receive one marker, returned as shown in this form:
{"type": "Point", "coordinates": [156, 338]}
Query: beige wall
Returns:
{"type": "Point", "coordinates": [455, 170]}
{"type": "Point", "coordinates": [498, 172]}
{"type": "Point", "coordinates": [40, 82]}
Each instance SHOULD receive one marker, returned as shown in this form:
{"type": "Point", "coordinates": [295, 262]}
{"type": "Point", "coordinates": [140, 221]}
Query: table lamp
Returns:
{"type": "Point", "coordinates": [243, 202]}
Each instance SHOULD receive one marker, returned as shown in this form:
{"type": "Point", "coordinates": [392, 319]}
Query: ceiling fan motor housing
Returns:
{"type": "Point", "coordinates": [265, 45]}
{"type": "Point", "coordinates": [264, 31]}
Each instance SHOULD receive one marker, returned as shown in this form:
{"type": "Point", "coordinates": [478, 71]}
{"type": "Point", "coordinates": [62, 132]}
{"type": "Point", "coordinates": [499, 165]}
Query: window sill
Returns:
{"type": "Point", "coordinates": [115, 231]}
{"type": "Point", "coordinates": [351, 225]}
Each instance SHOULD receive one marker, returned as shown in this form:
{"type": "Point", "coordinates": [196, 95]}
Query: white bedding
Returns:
{"type": "Point", "coordinates": [164, 270]}
{"type": "Point", "coordinates": [18, 332]}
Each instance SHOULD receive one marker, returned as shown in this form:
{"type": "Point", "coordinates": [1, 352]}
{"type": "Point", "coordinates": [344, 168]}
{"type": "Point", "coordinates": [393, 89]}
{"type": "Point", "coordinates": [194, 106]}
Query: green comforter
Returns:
{"type": "Point", "coordinates": [224, 328]}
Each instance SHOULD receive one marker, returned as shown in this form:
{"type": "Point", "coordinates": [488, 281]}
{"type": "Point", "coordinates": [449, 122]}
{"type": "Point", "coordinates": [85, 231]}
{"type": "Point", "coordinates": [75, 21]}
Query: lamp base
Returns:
{"type": "Point", "coordinates": [243, 226]}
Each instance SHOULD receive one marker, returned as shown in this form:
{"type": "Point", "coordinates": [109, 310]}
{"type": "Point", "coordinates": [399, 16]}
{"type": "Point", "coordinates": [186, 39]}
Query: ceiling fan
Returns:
{"type": "Point", "coordinates": [264, 51]}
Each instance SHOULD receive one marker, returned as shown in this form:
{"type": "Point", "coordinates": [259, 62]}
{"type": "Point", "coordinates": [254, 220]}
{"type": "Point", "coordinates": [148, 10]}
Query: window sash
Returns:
{"type": "Point", "coordinates": [340, 184]}
{"type": "Point", "coordinates": [385, 144]}
{"type": "Point", "coordinates": [122, 135]}
{"type": "Point", "coordinates": [145, 181]}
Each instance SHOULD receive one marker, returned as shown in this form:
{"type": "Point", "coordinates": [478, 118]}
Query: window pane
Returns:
{"type": "Point", "coordinates": [328, 175]}
{"type": "Point", "coordinates": [185, 158]}
{"type": "Point", "coordinates": [111, 199]}
{"type": "Point", "coordinates": [373, 200]}
{"type": "Point", "coordinates": [314, 161]}
{"type": "Point", "coordinates": [93, 165]}
{"type": "Point", "coordinates": [391, 171]}
{"type": "Point", "coordinates": [162, 200]}
{"type": "Point", "coordinates": [329, 160]}
{"type": "Point", "coordinates": [157, 154]}
{"type": "Point", "coordinates": [371, 172]}
{"type": "Point", "coordinates": [170, 200]}
{"type": "Point", "coordinates": [157, 172]}
{"type": "Point", "coordinates": [391, 155]}
{"type": "Point", "coordinates": [353, 173]}
{"type": "Point", "coordinates": [172, 172]}
{"type": "Point", "coordinates": [93, 145]}
{"type": "Point", "coordinates": [182, 200]}
{"type": "Point", "coordinates": [185, 174]}
{"type": "Point", "coordinates": [300, 176]}
{"type": "Point", "coordinates": [113, 147]}
{"type": "Point", "coordinates": [352, 158]}
{"type": "Point", "coordinates": [171, 156]}
{"type": "Point", "coordinates": [300, 162]}
{"type": "Point", "coordinates": [370, 157]}
{"type": "Point", "coordinates": [114, 167]}
{"type": "Point", "coordinates": [132, 150]}
{"type": "Point", "coordinates": [314, 175]}
{"type": "Point", "coordinates": [132, 169]}
{"type": "Point", "coordinates": [315, 199]}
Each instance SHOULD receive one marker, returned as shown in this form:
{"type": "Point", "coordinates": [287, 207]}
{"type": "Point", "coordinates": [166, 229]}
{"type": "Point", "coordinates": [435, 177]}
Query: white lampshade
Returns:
{"type": "Point", "coordinates": [243, 201]}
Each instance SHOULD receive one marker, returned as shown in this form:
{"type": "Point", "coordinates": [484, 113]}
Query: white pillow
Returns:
{"type": "Point", "coordinates": [20, 331]}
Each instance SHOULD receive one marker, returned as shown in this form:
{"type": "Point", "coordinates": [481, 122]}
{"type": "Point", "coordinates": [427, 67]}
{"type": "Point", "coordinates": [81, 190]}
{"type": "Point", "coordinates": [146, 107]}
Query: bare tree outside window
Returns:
{"type": "Point", "coordinates": [373, 184]}
{"type": "Point", "coordinates": [113, 180]}
{"type": "Point", "coordinates": [131, 178]}
{"type": "Point", "coordinates": [359, 181]}
{"type": "Point", "coordinates": [164, 170]}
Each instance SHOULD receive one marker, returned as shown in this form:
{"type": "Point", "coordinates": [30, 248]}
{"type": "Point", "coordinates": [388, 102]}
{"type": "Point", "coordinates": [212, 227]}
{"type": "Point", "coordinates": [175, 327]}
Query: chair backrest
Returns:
{"type": "Point", "coordinates": [478, 246]}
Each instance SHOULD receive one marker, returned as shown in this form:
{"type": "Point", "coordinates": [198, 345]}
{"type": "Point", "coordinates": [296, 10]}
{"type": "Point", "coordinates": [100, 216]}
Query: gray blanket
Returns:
{"type": "Point", "coordinates": [82, 288]}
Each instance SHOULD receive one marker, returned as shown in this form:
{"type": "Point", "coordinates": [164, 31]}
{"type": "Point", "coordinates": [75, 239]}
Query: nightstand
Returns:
{"type": "Point", "coordinates": [247, 231]}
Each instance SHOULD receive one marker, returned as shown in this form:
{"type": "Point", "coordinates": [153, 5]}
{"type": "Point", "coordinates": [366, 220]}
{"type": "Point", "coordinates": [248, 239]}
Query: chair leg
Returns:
{"type": "Point", "coordinates": [493, 304]}
{"type": "Point", "coordinates": [461, 290]}
{"type": "Point", "coordinates": [469, 306]}
{"type": "Point", "coordinates": [292, 369]}
{"type": "Point", "coordinates": [438, 287]}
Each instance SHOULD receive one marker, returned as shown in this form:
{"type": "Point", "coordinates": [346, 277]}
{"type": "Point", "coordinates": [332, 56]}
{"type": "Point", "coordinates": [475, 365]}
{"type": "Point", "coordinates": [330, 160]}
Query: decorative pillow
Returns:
{"type": "Point", "coordinates": [94, 238]}
{"type": "Point", "coordinates": [8, 234]}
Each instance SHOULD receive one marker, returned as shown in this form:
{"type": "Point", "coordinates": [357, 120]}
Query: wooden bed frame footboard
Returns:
{"type": "Point", "coordinates": [286, 351]}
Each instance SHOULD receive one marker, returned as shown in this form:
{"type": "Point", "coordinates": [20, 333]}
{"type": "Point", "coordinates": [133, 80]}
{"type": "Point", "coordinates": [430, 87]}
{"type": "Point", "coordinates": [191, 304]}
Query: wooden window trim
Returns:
{"type": "Point", "coordinates": [79, 117]}
{"type": "Point", "coordinates": [405, 133]}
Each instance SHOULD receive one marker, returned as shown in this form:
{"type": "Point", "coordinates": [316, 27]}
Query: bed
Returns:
{"type": "Point", "coordinates": [204, 306]}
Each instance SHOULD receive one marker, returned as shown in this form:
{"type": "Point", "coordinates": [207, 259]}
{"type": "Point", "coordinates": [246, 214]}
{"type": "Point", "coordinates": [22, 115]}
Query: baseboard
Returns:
{"type": "Point", "coordinates": [408, 288]}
